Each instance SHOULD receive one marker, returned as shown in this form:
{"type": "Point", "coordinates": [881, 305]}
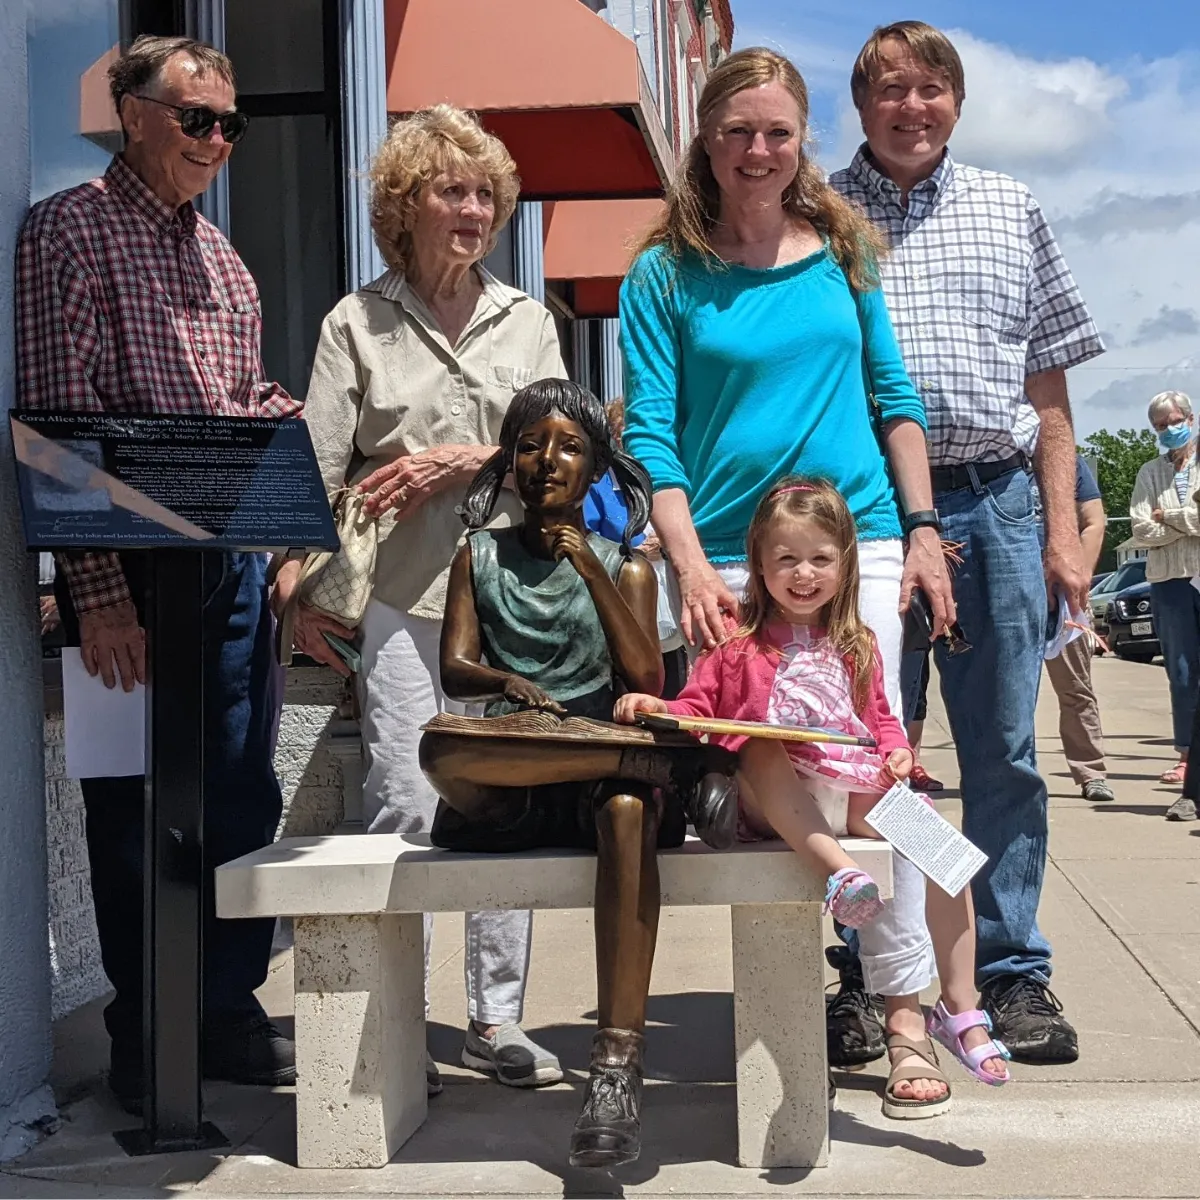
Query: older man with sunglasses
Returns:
{"type": "Point", "coordinates": [129, 301]}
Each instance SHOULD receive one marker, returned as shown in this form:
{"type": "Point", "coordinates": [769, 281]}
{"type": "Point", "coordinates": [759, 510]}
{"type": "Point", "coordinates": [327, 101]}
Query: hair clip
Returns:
{"type": "Point", "coordinates": [797, 487]}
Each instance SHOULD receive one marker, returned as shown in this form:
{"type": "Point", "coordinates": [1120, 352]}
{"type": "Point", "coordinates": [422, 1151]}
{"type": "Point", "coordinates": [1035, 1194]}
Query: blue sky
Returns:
{"type": "Point", "coordinates": [1096, 105]}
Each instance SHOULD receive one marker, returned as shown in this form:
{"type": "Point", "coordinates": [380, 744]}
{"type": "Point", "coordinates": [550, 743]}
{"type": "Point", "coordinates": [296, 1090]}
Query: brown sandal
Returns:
{"type": "Point", "coordinates": [900, 1109]}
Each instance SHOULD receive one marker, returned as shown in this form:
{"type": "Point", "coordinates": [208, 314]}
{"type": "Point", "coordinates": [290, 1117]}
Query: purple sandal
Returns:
{"type": "Point", "coordinates": [852, 897]}
{"type": "Point", "coordinates": [948, 1029]}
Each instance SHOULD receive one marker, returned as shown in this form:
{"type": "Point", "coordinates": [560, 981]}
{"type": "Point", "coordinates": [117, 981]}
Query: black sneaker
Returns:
{"type": "Point", "coordinates": [254, 1052]}
{"type": "Point", "coordinates": [1027, 1018]}
{"type": "Point", "coordinates": [853, 1019]}
{"type": "Point", "coordinates": [608, 1132]}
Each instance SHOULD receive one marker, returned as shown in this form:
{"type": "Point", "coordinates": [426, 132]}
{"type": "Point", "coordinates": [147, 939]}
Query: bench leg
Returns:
{"type": "Point", "coordinates": [779, 1018]}
{"type": "Point", "coordinates": [360, 1038]}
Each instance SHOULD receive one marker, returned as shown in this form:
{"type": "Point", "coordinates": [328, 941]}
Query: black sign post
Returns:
{"type": "Point", "coordinates": [181, 487]}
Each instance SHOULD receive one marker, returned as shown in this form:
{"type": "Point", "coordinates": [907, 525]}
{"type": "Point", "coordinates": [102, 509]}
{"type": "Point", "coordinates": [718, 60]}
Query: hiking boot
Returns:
{"type": "Point", "coordinates": [1098, 789]}
{"type": "Point", "coordinates": [853, 1019]}
{"type": "Point", "coordinates": [251, 1051]}
{"type": "Point", "coordinates": [608, 1131]}
{"type": "Point", "coordinates": [511, 1055]}
{"type": "Point", "coordinates": [1184, 809]}
{"type": "Point", "coordinates": [1027, 1018]}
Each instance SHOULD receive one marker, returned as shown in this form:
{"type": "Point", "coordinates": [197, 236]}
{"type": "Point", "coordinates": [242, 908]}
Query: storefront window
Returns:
{"type": "Point", "coordinates": [285, 179]}
{"type": "Point", "coordinates": [73, 130]}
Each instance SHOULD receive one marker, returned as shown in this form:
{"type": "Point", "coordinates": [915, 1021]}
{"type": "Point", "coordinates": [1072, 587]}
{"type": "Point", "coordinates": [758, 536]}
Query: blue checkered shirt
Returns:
{"type": "Point", "coordinates": [981, 298]}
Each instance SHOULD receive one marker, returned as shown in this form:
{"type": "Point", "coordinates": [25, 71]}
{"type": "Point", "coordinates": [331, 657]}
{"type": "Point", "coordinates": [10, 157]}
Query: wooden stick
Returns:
{"type": "Point", "coordinates": [779, 733]}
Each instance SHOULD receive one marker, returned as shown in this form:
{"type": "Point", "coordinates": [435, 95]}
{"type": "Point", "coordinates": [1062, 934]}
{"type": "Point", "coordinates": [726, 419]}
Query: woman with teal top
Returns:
{"type": "Point", "coordinates": [545, 615]}
{"type": "Point", "coordinates": [758, 344]}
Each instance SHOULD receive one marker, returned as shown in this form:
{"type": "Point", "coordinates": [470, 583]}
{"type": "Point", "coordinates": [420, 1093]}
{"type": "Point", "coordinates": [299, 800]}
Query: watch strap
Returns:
{"type": "Point", "coordinates": [924, 517]}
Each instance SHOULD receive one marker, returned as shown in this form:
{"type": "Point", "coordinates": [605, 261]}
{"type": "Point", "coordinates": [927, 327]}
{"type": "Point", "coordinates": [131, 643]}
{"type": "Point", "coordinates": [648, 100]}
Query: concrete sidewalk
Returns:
{"type": "Point", "coordinates": [1121, 906]}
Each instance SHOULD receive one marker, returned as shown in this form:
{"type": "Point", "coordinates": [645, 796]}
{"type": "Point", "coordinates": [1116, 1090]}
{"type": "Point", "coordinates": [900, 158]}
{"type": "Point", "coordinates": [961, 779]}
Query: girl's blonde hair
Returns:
{"type": "Point", "coordinates": [694, 201]}
{"type": "Point", "coordinates": [419, 147]}
{"type": "Point", "coordinates": [798, 499]}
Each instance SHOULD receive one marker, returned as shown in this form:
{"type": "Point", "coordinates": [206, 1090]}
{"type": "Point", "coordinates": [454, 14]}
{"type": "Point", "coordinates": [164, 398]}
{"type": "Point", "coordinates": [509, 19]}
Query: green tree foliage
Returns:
{"type": "Point", "coordinates": [1118, 457]}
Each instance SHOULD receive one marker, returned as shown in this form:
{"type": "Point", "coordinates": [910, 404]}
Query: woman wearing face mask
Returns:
{"type": "Point", "coordinates": [1166, 522]}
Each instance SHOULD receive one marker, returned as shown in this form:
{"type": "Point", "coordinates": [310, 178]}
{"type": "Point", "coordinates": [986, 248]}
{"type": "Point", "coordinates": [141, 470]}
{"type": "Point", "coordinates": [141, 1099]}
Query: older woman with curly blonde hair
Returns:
{"type": "Point", "coordinates": [412, 378]}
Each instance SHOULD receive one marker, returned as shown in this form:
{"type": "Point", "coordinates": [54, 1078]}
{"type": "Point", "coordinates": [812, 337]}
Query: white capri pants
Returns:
{"type": "Point", "coordinates": [400, 689]}
{"type": "Point", "coordinates": [895, 948]}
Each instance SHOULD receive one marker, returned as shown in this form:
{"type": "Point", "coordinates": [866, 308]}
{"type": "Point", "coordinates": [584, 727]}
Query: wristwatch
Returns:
{"type": "Point", "coordinates": [924, 517]}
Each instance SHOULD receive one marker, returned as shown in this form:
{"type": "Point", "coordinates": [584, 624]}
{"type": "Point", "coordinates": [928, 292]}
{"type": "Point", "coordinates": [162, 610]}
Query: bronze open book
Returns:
{"type": "Point", "coordinates": [536, 723]}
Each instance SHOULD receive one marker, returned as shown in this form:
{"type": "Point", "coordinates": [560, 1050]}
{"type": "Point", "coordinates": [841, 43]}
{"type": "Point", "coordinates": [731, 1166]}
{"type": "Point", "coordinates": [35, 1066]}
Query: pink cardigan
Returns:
{"type": "Point", "coordinates": [734, 682]}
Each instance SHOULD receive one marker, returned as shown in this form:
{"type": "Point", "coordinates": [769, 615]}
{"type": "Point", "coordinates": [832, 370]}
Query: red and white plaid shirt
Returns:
{"type": "Point", "coordinates": [125, 304]}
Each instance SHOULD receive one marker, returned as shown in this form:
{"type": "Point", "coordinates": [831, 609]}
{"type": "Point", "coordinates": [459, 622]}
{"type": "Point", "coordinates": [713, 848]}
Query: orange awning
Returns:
{"type": "Point", "coordinates": [590, 243]}
{"type": "Point", "coordinates": [564, 90]}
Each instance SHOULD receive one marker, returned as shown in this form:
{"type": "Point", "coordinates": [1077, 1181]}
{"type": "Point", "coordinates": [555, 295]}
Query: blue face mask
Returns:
{"type": "Point", "coordinates": [1175, 437]}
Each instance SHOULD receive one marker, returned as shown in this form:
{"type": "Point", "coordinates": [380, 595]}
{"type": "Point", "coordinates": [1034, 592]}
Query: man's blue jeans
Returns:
{"type": "Point", "coordinates": [990, 693]}
{"type": "Point", "coordinates": [242, 803]}
{"type": "Point", "coordinates": [1175, 605]}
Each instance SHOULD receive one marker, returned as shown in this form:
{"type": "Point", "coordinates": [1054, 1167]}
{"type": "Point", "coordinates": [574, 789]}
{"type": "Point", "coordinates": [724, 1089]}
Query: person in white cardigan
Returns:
{"type": "Point", "coordinates": [1166, 522]}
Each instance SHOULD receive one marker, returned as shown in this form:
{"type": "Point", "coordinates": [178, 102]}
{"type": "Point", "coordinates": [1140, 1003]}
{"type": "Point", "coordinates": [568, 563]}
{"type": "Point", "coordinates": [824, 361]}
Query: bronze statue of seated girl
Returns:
{"type": "Point", "coordinates": [552, 621]}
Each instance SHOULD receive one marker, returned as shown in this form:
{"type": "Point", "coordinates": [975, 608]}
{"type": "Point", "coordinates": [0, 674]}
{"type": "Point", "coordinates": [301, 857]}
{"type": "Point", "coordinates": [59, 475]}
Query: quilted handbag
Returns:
{"type": "Point", "coordinates": [337, 583]}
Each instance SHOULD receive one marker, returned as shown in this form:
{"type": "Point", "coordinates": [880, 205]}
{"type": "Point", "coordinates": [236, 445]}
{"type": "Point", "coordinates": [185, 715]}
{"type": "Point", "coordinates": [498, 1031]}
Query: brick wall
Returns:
{"type": "Point", "coordinates": [317, 753]}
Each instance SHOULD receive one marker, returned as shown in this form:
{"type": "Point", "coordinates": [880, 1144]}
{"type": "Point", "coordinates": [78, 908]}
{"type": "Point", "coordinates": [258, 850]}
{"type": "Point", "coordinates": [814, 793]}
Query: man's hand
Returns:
{"type": "Point", "coordinates": [1066, 572]}
{"type": "Point", "coordinates": [48, 608]}
{"type": "Point", "coordinates": [925, 568]}
{"type": "Point", "coordinates": [404, 485]}
{"type": "Point", "coordinates": [112, 634]}
{"type": "Point", "coordinates": [1157, 515]}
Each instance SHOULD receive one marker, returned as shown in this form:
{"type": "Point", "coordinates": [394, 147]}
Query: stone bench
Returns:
{"type": "Point", "coordinates": [359, 970]}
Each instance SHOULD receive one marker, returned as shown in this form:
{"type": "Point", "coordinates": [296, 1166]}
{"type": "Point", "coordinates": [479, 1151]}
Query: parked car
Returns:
{"type": "Point", "coordinates": [1131, 571]}
{"type": "Point", "coordinates": [1131, 632]}
{"type": "Point", "coordinates": [1097, 580]}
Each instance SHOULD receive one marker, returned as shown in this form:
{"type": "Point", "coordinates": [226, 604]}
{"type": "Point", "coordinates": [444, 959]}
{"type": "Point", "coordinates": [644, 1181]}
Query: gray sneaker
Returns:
{"type": "Point", "coordinates": [433, 1077]}
{"type": "Point", "coordinates": [1184, 809]}
{"type": "Point", "coordinates": [1097, 789]}
{"type": "Point", "coordinates": [511, 1056]}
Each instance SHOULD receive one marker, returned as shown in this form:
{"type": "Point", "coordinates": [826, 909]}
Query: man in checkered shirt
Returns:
{"type": "Point", "coordinates": [988, 320]}
{"type": "Point", "coordinates": [128, 301]}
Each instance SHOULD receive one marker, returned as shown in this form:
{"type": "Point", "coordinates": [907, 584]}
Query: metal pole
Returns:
{"type": "Point", "coordinates": [173, 861]}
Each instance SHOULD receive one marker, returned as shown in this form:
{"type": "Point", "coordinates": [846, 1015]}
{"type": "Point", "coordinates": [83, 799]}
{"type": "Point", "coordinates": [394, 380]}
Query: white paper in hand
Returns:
{"type": "Point", "coordinates": [104, 728]}
{"type": "Point", "coordinates": [926, 839]}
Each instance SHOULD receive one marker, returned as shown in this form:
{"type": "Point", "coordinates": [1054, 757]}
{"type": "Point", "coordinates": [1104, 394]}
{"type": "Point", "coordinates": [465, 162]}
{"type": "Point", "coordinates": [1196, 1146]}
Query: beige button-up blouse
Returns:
{"type": "Point", "coordinates": [386, 383]}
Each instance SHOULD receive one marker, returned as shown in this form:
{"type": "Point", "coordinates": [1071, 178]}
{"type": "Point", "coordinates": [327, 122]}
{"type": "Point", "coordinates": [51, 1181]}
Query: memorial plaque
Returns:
{"type": "Point", "coordinates": [116, 481]}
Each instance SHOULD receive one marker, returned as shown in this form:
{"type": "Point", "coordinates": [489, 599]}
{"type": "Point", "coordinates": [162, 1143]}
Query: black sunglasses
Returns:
{"type": "Point", "coordinates": [198, 121]}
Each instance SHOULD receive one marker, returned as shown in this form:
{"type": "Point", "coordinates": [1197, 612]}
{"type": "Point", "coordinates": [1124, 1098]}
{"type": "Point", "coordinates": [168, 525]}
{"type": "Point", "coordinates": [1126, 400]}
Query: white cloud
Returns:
{"type": "Point", "coordinates": [1023, 113]}
{"type": "Point", "coordinates": [1112, 152]}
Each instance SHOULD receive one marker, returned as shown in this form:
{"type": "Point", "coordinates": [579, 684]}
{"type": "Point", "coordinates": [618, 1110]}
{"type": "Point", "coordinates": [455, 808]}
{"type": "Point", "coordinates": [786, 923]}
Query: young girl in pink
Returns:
{"type": "Point", "coordinates": [802, 656]}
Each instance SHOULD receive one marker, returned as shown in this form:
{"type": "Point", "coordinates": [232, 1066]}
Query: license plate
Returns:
{"type": "Point", "coordinates": [1142, 629]}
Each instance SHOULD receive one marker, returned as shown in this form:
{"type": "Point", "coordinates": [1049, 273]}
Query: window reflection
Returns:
{"type": "Point", "coordinates": [72, 126]}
